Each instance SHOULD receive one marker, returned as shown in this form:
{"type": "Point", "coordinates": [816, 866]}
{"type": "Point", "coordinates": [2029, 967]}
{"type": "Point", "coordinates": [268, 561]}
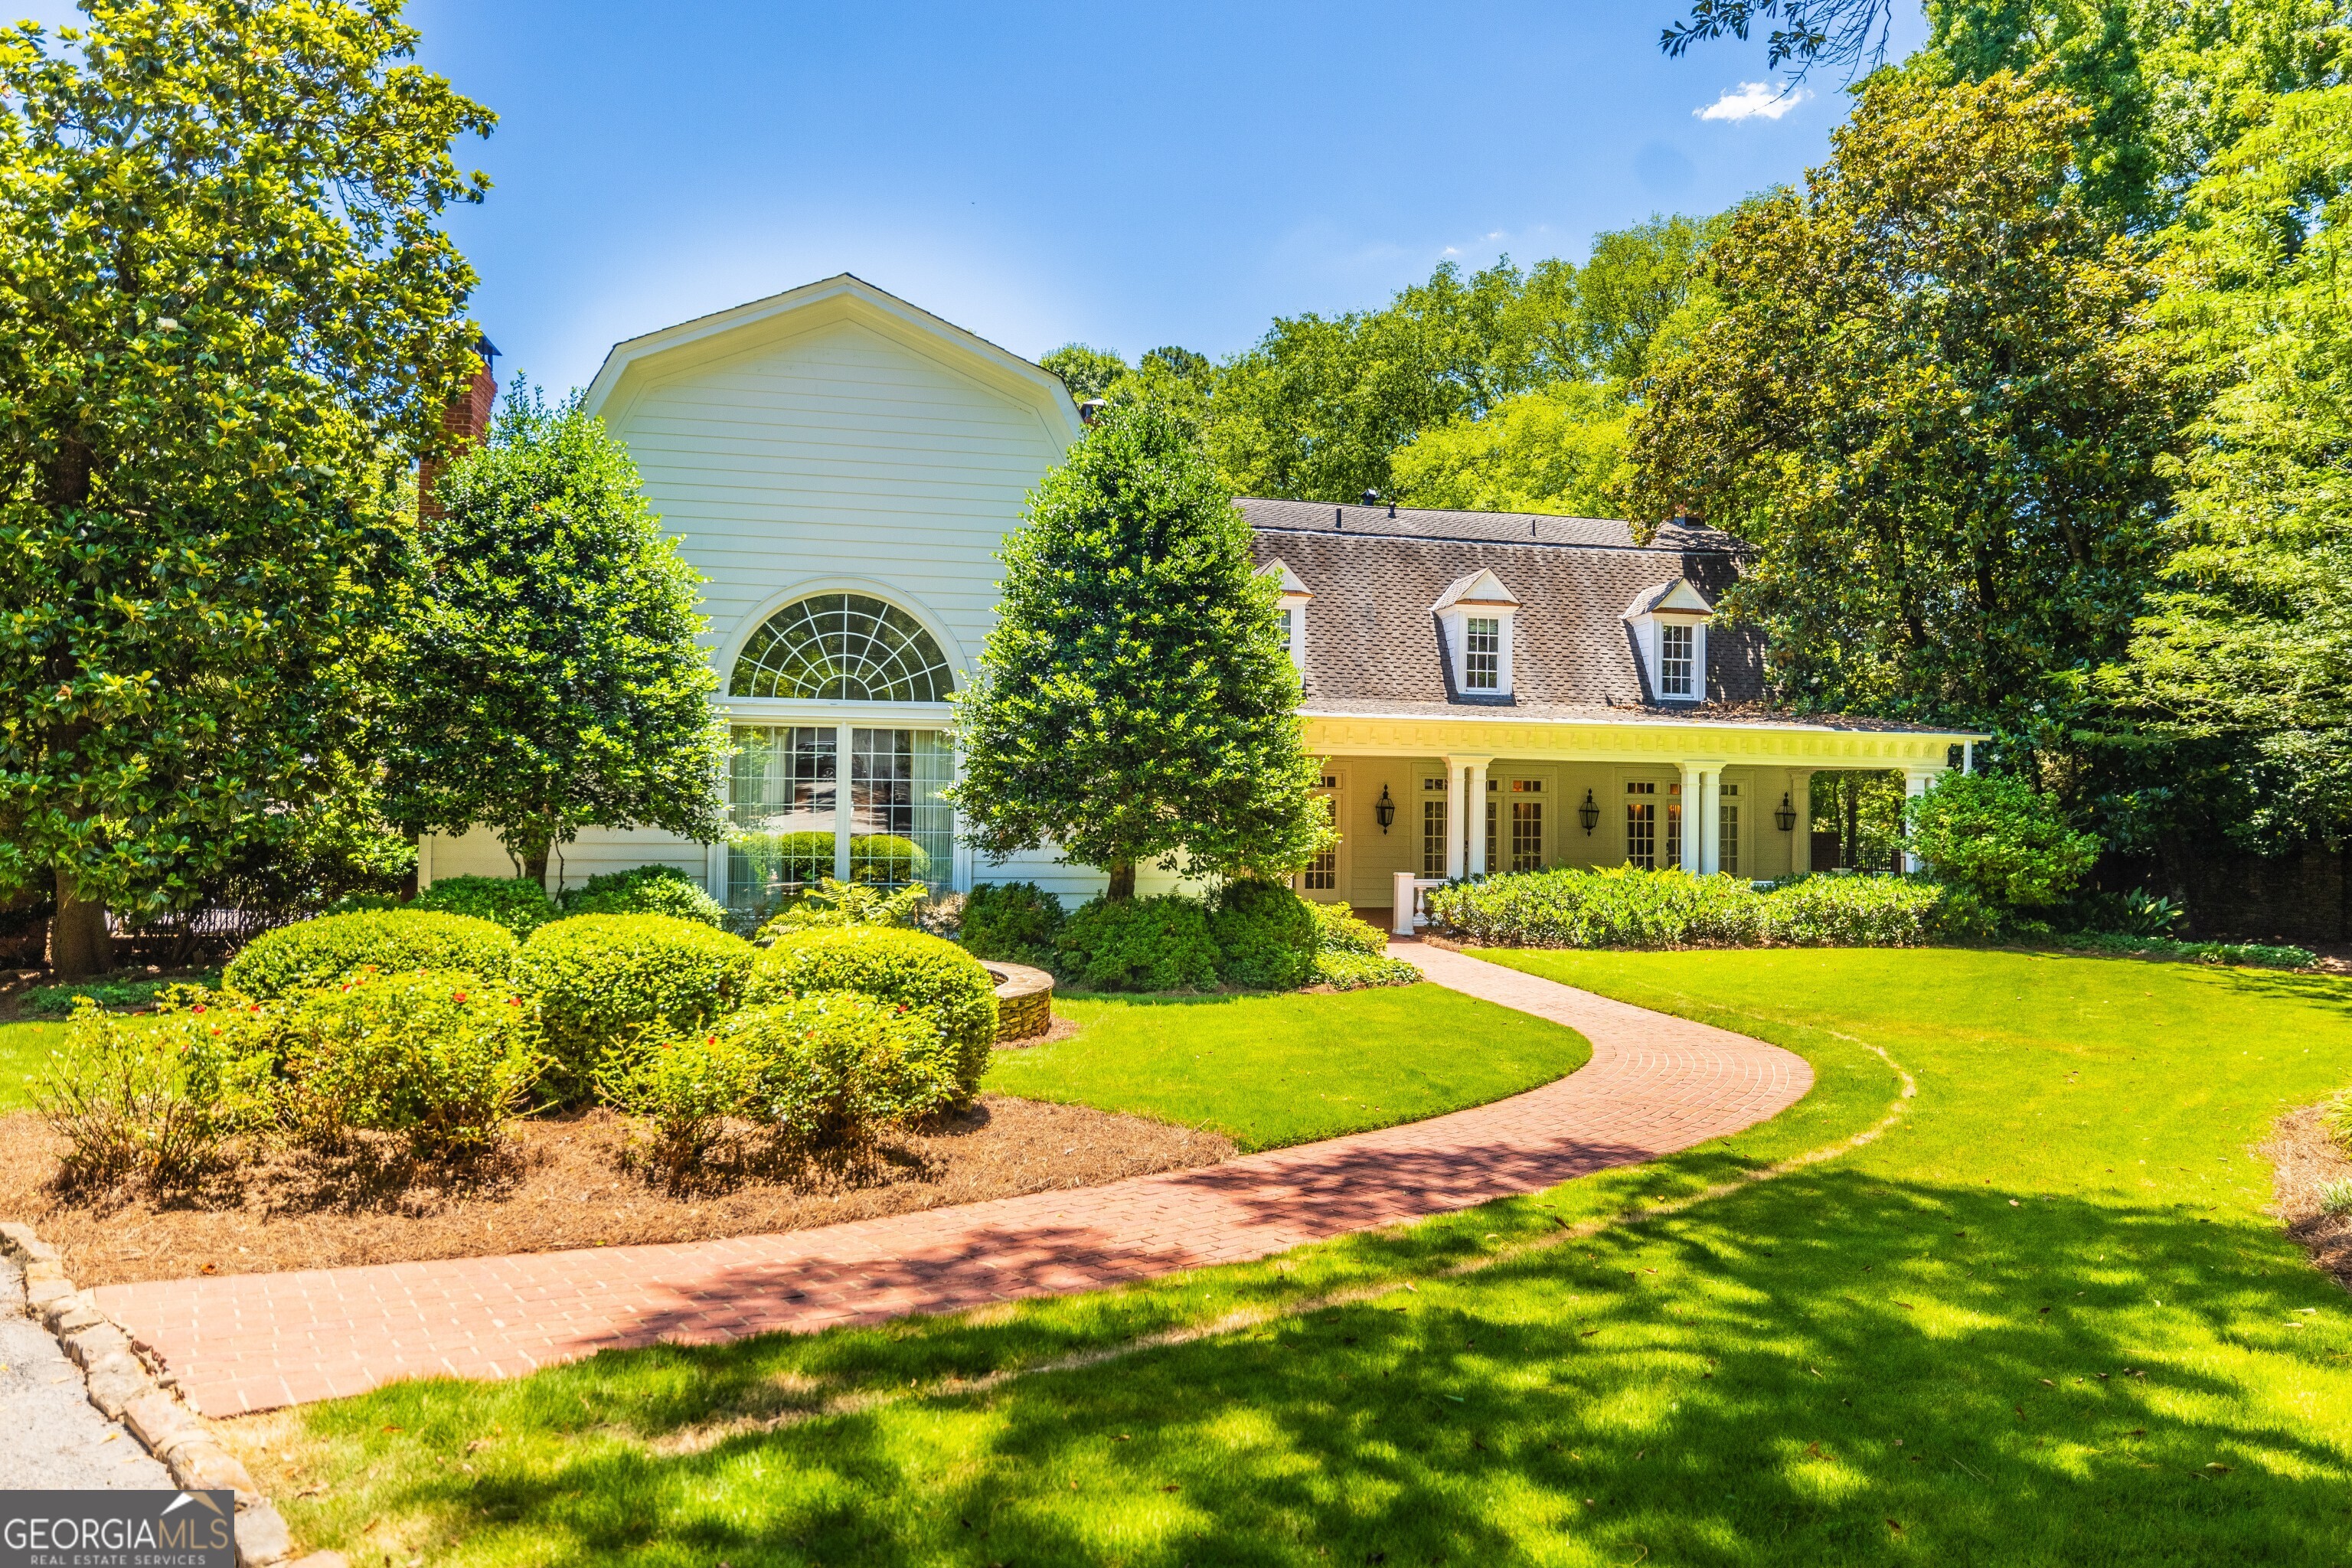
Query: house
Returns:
{"type": "Point", "coordinates": [1490, 691]}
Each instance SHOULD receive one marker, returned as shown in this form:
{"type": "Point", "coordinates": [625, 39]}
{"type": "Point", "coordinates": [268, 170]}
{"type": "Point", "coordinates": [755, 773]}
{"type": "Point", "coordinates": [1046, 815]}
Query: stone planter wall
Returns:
{"type": "Point", "coordinates": [1025, 1000]}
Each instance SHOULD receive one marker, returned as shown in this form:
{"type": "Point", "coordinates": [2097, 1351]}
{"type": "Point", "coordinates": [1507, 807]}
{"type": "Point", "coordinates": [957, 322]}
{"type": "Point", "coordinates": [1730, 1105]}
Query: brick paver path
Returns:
{"type": "Point", "coordinates": [1655, 1084]}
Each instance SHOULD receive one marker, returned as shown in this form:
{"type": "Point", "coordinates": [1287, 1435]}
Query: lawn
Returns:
{"type": "Point", "coordinates": [1268, 1070]}
{"type": "Point", "coordinates": [2038, 1318]}
{"type": "Point", "coordinates": [24, 1050]}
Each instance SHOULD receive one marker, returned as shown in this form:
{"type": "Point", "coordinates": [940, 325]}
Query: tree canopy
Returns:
{"type": "Point", "coordinates": [1136, 702]}
{"type": "Point", "coordinates": [548, 675]}
{"type": "Point", "coordinates": [232, 319]}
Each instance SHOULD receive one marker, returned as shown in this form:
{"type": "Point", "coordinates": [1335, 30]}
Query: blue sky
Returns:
{"type": "Point", "coordinates": [1043, 173]}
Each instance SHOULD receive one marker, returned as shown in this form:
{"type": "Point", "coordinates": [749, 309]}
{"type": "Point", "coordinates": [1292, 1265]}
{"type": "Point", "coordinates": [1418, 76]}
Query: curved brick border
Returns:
{"type": "Point", "coordinates": [116, 1380]}
{"type": "Point", "coordinates": [1654, 1085]}
{"type": "Point", "coordinates": [1025, 1000]}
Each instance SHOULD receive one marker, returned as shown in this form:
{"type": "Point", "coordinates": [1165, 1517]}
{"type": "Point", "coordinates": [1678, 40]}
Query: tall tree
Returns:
{"type": "Point", "coordinates": [1925, 402]}
{"type": "Point", "coordinates": [231, 317]}
{"type": "Point", "coordinates": [549, 676]}
{"type": "Point", "coordinates": [1136, 702]}
{"type": "Point", "coordinates": [1556, 449]}
{"type": "Point", "coordinates": [1087, 372]}
{"type": "Point", "coordinates": [2249, 639]}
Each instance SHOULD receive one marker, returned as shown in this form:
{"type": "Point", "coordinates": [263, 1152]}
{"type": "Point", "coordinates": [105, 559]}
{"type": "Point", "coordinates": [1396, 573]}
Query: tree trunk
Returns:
{"type": "Point", "coordinates": [1122, 881]}
{"type": "Point", "coordinates": [80, 947]}
{"type": "Point", "coordinates": [534, 865]}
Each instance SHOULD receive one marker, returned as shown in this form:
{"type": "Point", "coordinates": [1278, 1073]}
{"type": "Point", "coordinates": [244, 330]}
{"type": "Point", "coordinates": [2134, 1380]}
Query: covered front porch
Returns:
{"type": "Point", "coordinates": [1452, 797]}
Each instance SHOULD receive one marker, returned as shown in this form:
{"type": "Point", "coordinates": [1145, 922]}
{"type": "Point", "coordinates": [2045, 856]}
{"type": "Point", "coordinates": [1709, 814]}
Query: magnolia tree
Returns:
{"type": "Point", "coordinates": [1136, 701]}
{"type": "Point", "coordinates": [550, 675]}
{"type": "Point", "coordinates": [232, 322]}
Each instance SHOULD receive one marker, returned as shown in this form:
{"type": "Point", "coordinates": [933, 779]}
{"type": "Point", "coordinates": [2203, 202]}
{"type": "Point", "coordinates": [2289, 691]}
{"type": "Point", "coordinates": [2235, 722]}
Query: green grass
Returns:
{"type": "Point", "coordinates": [24, 1050]}
{"type": "Point", "coordinates": [2040, 1318]}
{"type": "Point", "coordinates": [1268, 1070]}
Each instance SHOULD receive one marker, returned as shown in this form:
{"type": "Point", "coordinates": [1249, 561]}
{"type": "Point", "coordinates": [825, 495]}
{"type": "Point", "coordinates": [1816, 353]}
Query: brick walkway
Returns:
{"type": "Point", "coordinates": [1655, 1084]}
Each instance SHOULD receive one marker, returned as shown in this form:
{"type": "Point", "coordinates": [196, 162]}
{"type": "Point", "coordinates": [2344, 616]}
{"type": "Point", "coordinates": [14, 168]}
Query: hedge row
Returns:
{"type": "Point", "coordinates": [1629, 908]}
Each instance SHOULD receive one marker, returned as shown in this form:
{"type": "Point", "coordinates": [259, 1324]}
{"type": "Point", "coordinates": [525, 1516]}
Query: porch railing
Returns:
{"type": "Point", "coordinates": [1411, 912]}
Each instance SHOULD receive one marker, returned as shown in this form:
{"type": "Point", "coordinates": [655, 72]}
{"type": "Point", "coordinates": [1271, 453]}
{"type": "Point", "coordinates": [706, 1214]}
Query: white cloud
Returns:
{"type": "Point", "coordinates": [1752, 98]}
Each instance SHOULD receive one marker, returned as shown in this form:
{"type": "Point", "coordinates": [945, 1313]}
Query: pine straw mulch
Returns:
{"type": "Point", "coordinates": [2305, 1159]}
{"type": "Point", "coordinates": [562, 1181]}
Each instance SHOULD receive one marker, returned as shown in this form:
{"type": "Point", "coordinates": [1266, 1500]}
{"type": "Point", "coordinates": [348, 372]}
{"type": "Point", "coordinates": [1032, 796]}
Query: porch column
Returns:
{"type": "Point", "coordinates": [1687, 851]}
{"type": "Point", "coordinates": [1916, 782]}
{"type": "Point", "coordinates": [1801, 850]}
{"type": "Point", "coordinates": [843, 816]}
{"type": "Point", "coordinates": [1710, 825]}
{"type": "Point", "coordinates": [1454, 864]}
{"type": "Point", "coordinates": [1475, 805]}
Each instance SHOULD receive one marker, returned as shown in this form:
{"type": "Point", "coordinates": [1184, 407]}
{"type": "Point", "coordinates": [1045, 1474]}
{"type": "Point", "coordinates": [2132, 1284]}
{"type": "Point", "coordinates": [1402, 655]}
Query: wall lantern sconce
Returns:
{"type": "Point", "coordinates": [1589, 813]}
{"type": "Point", "coordinates": [1384, 809]}
{"type": "Point", "coordinates": [1787, 816]}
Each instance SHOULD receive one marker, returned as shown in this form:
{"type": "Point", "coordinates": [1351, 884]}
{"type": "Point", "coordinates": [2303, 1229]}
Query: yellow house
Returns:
{"type": "Point", "coordinates": [1492, 691]}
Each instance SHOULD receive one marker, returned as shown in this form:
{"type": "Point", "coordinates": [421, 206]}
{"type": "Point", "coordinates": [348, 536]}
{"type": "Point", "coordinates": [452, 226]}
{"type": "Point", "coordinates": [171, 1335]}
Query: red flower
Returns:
{"type": "Point", "coordinates": [199, 1007]}
{"type": "Point", "coordinates": [458, 996]}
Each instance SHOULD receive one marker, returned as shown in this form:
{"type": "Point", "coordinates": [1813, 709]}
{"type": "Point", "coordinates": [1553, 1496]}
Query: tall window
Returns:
{"type": "Point", "coordinates": [1674, 852]}
{"type": "Point", "coordinates": [781, 785]}
{"type": "Point", "coordinates": [1323, 872]}
{"type": "Point", "coordinates": [1676, 668]}
{"type": "Point", "coordinates": [1482, 668]}
{"type": "Point", "coordinates": [1642, 824]}
{"type": "Point", "coordinates": [1494, 861]}
{"type": "Point", "coordinates": [845, 647]}
{"type": "Point", "coordinates": [1432, 826]}
{"type": "Point", "coordinates": [1726, 838]}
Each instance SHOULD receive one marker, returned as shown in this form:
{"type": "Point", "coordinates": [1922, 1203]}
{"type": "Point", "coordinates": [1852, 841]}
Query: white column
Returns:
{"type": "Point", "coordinates": [1454, 864]}
{"type": "Point", "coordinates": [1710, 825]}
{"type": "Point", "coordinates": [1400, 902]}
{"type": "Point", "coordinates": [960, 871]}
{"type": "Point", "coordinates": [1800, 796]}
{"type": "Point", "coordinates": [1476, 795]}
{"type": "Point", "coordinates": [1916, 783]}
{"type": "Point", "coordinates": [842, 813]}
{"type": "Point", "coordinates": [1690, 814]}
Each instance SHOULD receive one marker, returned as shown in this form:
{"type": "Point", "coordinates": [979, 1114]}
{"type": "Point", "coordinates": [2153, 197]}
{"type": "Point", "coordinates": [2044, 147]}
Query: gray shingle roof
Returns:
{"type": "Point", "coordinates": [1373, 646]}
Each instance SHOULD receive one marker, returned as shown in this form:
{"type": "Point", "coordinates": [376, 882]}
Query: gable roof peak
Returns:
{"type": "Point", "coordinates": [1676, 596]}
{"type": "Point", "coordinates": [1481, 588]}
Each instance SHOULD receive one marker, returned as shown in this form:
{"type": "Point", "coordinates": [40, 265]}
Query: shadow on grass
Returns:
{"type": "Point", "coordinates": [1831, 1368]}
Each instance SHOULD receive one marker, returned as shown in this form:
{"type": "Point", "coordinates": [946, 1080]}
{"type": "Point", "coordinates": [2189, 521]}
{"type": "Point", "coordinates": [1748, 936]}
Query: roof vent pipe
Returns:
{"type": "Point", "coordinates": [1340, 517]}
{"type": "Point", "coordinates": [1391, 505]}
{"type": "Point", "coordinates": [1371, 498]}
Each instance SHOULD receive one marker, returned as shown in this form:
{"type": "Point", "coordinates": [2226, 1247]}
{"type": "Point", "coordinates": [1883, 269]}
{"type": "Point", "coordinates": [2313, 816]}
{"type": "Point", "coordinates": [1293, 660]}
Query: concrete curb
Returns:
{"type": "Point", "coordinates": [120, 1377]}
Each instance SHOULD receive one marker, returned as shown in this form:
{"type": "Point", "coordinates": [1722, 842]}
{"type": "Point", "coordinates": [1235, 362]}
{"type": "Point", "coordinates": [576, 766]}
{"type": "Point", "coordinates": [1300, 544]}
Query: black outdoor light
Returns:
{"type": "Point", "coordinates": [1787, 816]}
{"type": "Point", "coordinates": [1384, 809]}
{"type": "Point", "coordinates": [1589, 813]}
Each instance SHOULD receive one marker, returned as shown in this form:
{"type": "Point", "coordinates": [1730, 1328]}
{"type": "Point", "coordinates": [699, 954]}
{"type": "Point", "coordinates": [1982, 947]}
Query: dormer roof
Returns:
{"type": "Point", "coordinates": [1479, 590]}
{"type": "Point", "coordinates": [1286, 582]}
{"type": "Point", "coordinates": [1677, 598]}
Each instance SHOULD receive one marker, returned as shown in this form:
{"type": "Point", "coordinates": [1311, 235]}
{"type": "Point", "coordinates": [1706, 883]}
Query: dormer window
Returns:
{"type": "Point", "coordinates": [1669, 626]}
{"type": "Point", "coordinates": [1291, 599]}
{"type": "Point", "coordinates": [1474, 622]}
{"type": "Point", "coordinates": [1676, 647]}
{"type": "Point", "coordinates": [1482, 666]}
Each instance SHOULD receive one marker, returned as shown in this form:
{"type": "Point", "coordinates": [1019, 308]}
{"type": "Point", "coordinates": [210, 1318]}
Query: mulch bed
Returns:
{"type": "Point", "coordinates": [562, 1181]}
{"type": "Point", "coordinates": [2305, 1160]}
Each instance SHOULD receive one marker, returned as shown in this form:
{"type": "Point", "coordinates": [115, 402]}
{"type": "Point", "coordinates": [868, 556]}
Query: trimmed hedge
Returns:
{"type": "Point", "coordinates": [1345, 971]}
{"type": "Point", "coordinates": [644, 891]}
{"type": "Point", "coordinates": [604, 983]}
{"type": "Point", "coordinates": [517, 903]}
{"type": "Point", "coordinates": [2246, 954]}
{"type": "Point", "coordinates": [912, 969]}
{"type": "Point", "coordinates": [1266, 936]}
{"type": "Point", "coordinates": [1629, 908]}
{"type": "Point", "coordinates": [442, 1056]}
{"type": "Point", "coordinates": [1159, 943]}
{"type": "Point", "coordinates": [322, 951]}
{"type": "Point", "coordinates": [1014, 922]}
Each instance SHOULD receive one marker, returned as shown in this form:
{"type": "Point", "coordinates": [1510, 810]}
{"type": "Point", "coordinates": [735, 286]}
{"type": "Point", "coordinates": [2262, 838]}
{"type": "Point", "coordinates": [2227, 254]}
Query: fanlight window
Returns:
{"type": "Point", "coordinates": [846, 647]}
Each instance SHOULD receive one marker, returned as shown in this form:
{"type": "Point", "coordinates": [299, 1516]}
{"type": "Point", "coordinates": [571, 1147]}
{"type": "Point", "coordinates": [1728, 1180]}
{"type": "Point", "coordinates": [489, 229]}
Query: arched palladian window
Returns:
{"type": "Point", "coordinates": [846, 646]}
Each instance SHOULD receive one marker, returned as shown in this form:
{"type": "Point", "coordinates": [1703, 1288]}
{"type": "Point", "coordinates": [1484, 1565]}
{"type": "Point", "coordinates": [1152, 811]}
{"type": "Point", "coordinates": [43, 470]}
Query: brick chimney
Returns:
{"type": "Point", "coordinates": [466, 420]}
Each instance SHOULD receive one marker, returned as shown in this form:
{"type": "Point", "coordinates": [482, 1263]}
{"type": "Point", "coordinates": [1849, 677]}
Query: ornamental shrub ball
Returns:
{"type": "Point", "coordinates": [907, 968]}
{"type": "Point", "coordinates": [644, 891]}
{"type": "Point", "coordinates": [1267, 937]}
{"type": "Point", "coordinates": [1160, 943]}
{"type": "Point", "coordinates": [322, 951]}
{"type": "Point", "coordinates": [1341, 932]}
{"type": "Point", "coordinates": [605, 983]}
{"type": "Point", "coordinates": [1015, 923]}
{"type": "Point", "coordinates": [517, 903]}
{"type": "Point", "coordinates": [442, 1056]}
{"type": "Point", "coordinates": [2000, 839]}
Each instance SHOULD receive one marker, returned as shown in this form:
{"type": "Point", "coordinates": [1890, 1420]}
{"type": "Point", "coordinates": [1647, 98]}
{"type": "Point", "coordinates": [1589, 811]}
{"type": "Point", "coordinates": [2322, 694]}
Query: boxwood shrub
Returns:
{"type": "Point", "coordinates": [517, 903]}
{"type": "Point", "coordinates": [1159, 943]}
{"type": "Point", "coordinates": [1346, 971]}
{"type": "Point", "coordinates": [442, 1056]}
{"type": "Point", "coordinates": [644, 891]}
{"type": "Point", "coordinates": [901, 968]}
{"type": "Point", "coordinates": [1015, 922]}
{"type": "Point", "coordinates": [322, 951]}
{"type": "Point", "coordinates": [1341, 932]}
{"type": "Point", "coordinates": [1267, 937]}
{"type": "Point", "coordinates": [606, 982]}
